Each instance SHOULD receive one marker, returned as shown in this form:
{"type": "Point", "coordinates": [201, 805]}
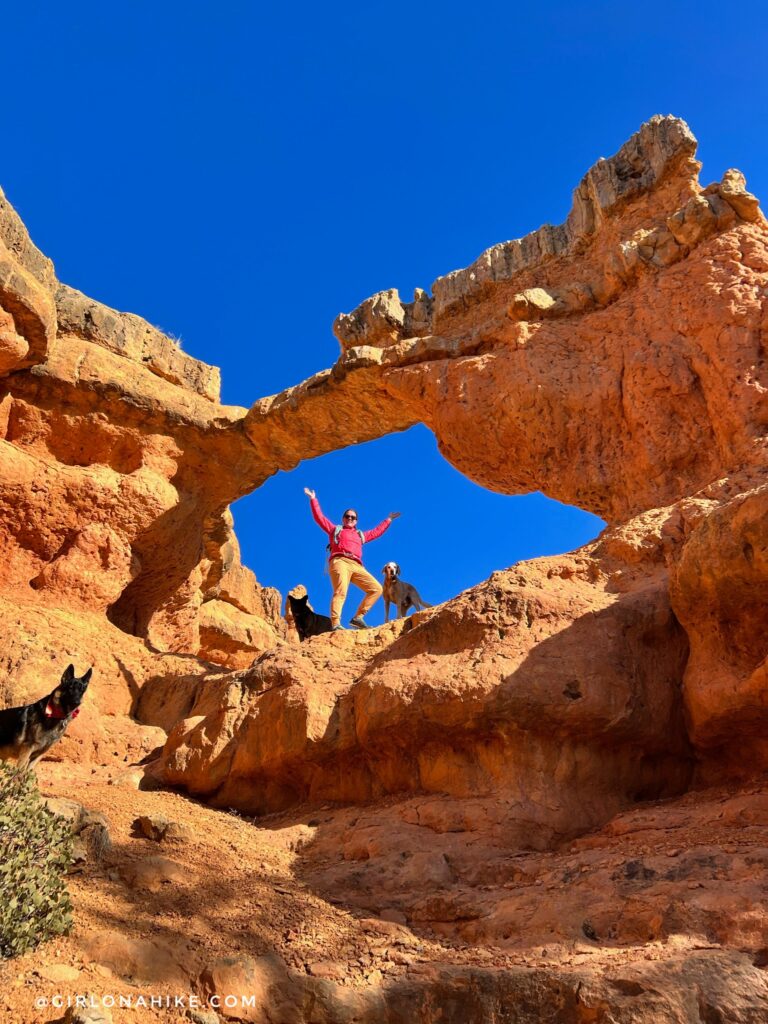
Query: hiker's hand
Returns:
{"type": "Point", "coordinates": [394, 515]}
{"type": "Point", "coordinates": [309, 494]}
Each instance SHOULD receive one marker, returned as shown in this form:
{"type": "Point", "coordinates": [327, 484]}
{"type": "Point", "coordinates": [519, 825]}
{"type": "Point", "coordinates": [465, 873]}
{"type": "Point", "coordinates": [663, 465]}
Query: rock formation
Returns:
{"type": "Point", "coordinates": [617, 355]}
{"type": "Point", "coordinates": [619, 358]}
{"type": "Point", "coordinates": [118, 466]}
{"type": "Point", "coordinates": [516, 741]}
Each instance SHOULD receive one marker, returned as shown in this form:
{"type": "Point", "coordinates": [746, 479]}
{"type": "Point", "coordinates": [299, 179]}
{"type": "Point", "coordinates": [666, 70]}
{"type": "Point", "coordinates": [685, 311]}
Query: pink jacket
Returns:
{"type": "Point", "coordinates": [348, 544]}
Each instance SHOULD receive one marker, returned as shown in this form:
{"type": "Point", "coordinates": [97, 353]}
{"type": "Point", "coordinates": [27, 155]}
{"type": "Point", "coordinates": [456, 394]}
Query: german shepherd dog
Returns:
{"type": "Point", "coordinates": [27, 732]}
{"type": "Point", "coordinates": [307, 622]}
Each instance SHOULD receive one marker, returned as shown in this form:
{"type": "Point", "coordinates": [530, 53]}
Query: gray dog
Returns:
{"type": "Point", "coordinates": [402, 595]}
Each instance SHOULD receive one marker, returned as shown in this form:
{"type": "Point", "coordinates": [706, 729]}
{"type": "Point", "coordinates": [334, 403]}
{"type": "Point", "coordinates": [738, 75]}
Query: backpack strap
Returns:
{"type": "Point", "coordinates": [337, 533]}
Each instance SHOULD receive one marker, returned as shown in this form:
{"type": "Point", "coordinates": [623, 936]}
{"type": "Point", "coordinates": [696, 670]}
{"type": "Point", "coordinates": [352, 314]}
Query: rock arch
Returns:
{"type": "Point", "coordinates": [612, 362]}
{"type": "Point", "coordinates": [615, 362]}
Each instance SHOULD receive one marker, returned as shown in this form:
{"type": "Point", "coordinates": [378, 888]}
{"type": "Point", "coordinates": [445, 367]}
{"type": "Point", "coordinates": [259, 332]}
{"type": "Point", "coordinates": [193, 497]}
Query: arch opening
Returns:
{"type": "Point", "coordinates": [452, 534]}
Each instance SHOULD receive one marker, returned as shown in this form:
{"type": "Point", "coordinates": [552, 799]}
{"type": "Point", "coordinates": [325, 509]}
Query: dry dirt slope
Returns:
{"type": "Point", "coordinates": [659, 916]}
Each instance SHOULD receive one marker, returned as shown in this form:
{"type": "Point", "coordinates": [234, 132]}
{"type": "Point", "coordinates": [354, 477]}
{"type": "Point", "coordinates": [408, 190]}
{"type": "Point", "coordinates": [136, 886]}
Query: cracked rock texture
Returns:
{"type": "Point", "coordinates": [548, 793]}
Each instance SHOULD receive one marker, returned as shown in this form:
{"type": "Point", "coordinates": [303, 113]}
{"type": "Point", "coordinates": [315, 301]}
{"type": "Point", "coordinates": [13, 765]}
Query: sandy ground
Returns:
{"type": "Point", "coordinates": [239, 888]}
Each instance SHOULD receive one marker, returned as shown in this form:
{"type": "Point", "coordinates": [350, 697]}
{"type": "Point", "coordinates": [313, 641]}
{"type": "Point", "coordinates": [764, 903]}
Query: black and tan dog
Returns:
{"type": "Point", "coordinates": [26, 733]}
{"type": "Point", "coordinates": [307, 622]}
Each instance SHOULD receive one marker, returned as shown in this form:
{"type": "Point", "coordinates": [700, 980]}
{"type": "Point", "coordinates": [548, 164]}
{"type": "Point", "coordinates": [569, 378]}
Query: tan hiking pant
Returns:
{"type": "Point", "coordinates": [343, 572]}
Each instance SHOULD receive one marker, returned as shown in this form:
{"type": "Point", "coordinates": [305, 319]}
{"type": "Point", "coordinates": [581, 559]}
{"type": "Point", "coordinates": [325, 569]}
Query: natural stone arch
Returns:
{"type": "Point", "coordinates": [613, 363]}
{"type": "Point", "coordinates": [573, 361]}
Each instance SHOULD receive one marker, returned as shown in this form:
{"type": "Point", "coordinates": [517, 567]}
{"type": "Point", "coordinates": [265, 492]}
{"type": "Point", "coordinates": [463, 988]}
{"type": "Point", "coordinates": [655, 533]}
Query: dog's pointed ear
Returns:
{"type": "Point", "coordinates": [87, 677]}
{"type": "Point", "coordinates": [69, 674]}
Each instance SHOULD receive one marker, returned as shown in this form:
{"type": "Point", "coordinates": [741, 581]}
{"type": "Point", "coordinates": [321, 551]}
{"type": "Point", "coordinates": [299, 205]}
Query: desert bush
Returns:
{"type": "Point", "coordinates": [35, 852]}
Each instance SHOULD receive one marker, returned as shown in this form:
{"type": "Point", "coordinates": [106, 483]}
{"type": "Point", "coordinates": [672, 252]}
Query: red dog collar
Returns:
{"type": "Point", "coordinates": [51, 711]}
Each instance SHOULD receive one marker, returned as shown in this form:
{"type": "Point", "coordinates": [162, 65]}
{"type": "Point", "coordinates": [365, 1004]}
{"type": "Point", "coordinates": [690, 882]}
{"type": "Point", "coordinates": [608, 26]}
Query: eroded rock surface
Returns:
{"type": "Point", "coordinates": [116, 471]}
{"type": "Point", "coordinates": [547, 793]}
{"type": "Point", "coordinates": [545, 687]}
{"type": "Point", "coordinates": [619, 356]}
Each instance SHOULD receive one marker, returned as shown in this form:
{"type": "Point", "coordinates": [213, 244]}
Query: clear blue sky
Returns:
{"type": "Point", "coordinates": [239, 173]}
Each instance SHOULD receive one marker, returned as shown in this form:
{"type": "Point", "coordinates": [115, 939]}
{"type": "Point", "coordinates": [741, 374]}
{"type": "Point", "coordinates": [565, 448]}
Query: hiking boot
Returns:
{"type": "Point", "coordinates": [335, 629]}
{"type": "Point", "coordinates": [358, 622]}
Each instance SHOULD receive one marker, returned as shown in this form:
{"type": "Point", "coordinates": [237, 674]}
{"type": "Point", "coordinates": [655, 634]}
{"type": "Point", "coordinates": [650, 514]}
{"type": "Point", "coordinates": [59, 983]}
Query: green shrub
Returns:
{"type": "Point", "coordinates": [35, 852]}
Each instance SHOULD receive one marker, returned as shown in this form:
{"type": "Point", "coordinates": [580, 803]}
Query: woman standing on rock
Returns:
{"type": "Point", "coordinates": [345, 562]}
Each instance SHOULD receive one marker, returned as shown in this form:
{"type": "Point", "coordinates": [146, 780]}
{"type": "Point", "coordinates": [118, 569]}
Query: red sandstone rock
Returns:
{"type": "Point", "coordinates": [718, 592]}
{"type": "Point", "coordinates": [620, 358]}
{"type": "Point", "coordinates": [552, 692]}
{"type": "Point", "coordinates": [642, 314]}
{"type": "Point", "coordinates": [136, 961]}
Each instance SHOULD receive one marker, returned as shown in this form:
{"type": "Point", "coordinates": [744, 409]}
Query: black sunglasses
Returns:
{"type": "Point", "coordinates": [349, 517]}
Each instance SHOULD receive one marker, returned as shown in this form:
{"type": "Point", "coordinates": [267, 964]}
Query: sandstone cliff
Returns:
{"type": "Point", "coordinates": [562, 765]}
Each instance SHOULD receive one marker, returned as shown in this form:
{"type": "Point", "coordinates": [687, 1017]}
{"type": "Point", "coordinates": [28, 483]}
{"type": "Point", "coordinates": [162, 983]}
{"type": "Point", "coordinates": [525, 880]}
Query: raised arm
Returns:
{"type": "Point", "coordinates": [381, 528]}
{"type": "Point", "coordinates": [317, 513]}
